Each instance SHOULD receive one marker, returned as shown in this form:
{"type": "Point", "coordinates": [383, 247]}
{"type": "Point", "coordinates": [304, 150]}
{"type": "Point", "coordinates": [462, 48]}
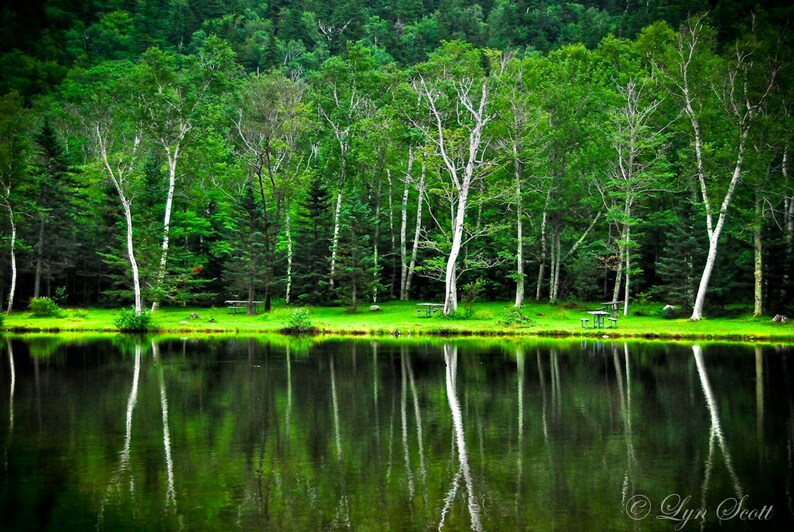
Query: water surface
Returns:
{"type": "Point", "coordinates": [391, 435]}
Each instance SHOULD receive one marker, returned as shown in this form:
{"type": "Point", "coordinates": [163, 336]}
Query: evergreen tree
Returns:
{"type": "Point", "coordinates": [356, 274]}
{"type": "Point", "coordinates": [312, 245]}
{"type": "Point", "coordinates": [243, 274]}
{"type": "Point", "coordinates": [57, 209]}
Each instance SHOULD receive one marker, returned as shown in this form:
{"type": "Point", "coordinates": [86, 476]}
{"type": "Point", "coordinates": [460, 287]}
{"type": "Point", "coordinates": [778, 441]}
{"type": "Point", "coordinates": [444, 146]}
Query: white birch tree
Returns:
{"type": "Point", "coordinates": [741, 89]}
{"type": "Point", "coordinates": [103, 104]}
{"type": "Point", "coordinates": [14, 154]}
{"type": "Point", "coordinates": [173, 92]}
{"type": "Point", "coordinates": [455, 95]}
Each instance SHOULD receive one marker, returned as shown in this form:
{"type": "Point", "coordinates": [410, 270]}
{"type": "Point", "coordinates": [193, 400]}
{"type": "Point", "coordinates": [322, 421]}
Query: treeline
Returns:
{"type": "Point", "coordinates": [653, 168]}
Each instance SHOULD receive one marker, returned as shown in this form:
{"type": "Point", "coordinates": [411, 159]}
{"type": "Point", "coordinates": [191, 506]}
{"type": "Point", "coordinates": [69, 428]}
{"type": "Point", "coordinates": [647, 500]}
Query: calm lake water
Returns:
{"type": "Point", "coordinates": [391, 435]}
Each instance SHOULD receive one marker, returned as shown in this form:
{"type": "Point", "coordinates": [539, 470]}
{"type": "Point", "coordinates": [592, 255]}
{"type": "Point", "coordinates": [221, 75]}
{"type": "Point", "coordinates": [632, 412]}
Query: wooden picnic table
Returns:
{"type": "Point", "coordinates": [598, 318]}
{"type": "Point", "coordinates": [428, 309]}
{"type": "Point", "coordinates": [235, 305]}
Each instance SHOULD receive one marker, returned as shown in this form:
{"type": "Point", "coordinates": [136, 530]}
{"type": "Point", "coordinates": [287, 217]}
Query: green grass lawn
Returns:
{"type": "Point", "coordinates": [487, 319]}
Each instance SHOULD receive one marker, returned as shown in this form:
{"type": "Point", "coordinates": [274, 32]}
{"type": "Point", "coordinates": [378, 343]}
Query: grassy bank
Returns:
{"type": "Point", "coordinates": [488, 319]}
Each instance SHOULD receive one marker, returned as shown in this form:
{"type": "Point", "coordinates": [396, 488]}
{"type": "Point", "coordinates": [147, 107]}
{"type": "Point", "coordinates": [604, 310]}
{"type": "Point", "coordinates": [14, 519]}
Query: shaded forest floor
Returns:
{"type": "Point", "coordinates": [400, 318]}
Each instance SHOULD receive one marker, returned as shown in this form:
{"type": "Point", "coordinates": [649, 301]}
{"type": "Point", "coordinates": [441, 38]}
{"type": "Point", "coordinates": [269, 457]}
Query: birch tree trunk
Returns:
{"type": "Point", "coordinates": [519, 171]}
{"type": "Point", "coordinates": [714, 237]}
{"type": "Point", "coordinates": [117, 177]}
{"type": "Point", "coordinates": [543, 247]}
{"type": "Point", "coordinates": [417, 232]}
{"type": "Point", "coordinates": [12, 244]}
{"type": "Point", "coordinates": [338, 211]}
{"type": "Point", "coordinates": [404, 227]}
{"type": "Point", "coordinates": [758, 258]}
{"type": "Point", "coordinates": [173, 157]}
{"type": "Point", "coordinates": [463, 168]}
{"type": "Point", "coordinates": [619, 271]}
{"type": "Point", "coordinates": [288, 231]}
{"type": "Point", "coordinates": [627, 252]}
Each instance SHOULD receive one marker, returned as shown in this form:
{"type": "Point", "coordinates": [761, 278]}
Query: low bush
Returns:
{"type": "Point", "coordinates": [129, 321]}
{"type": "Point", "coordinates": [299, 322]}
{"type": "Point", "coordinates": [516, 316]}
{"type": "Point", "coordinates": [44, 307]}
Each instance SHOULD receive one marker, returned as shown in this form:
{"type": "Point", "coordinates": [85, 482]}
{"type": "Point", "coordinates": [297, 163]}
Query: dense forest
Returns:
{"type": "Point", "coordinates": [172, 152]}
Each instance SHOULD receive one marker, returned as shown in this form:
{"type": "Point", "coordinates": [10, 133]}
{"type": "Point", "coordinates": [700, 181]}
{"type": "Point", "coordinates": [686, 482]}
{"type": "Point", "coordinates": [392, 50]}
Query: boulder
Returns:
{"type": "Point", "coordinates": [374, 308]}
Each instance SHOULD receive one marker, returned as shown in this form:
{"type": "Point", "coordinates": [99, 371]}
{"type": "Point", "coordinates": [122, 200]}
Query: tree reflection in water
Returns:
{"type": "Point", "coordinates": [451, 360]}
{"type": "Point", "coordinates": [124, 461]}
{"type": "Point", "coordinates": [715, 432]}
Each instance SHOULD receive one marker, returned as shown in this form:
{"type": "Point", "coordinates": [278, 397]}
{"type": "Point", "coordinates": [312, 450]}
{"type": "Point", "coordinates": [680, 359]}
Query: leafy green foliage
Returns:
{"type": "Point", "coordinates": [129, 321]}
{"type": "Point", "coordinates": [470, 294]}
{"type": "Point", "coordinates": [44, 307]}
{"type": "Point", "coordinates": [299, 321]}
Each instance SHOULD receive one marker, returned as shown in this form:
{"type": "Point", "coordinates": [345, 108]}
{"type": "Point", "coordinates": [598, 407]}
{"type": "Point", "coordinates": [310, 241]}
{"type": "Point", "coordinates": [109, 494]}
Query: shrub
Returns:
{"type": "Point", "coordinates": [469, 295]}
{"type": "Point", "coordinates": [299, 321]}
{"type": "Point", "coordinates": [44, 307]}
{"type": "Point", "coordinates": [2, 318]}
{"type": "Point", "coordinates": [516, 316]}
{"type": "Point", "coordinates": [128, 321]}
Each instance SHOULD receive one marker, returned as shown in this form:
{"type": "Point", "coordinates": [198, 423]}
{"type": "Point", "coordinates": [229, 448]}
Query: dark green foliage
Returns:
{"type": "Point", "coordinates": [44, 307]}
{"type": "Point", "coordinates": [679, 262]}
{"type": "Point", "coordinates": [312, 246]}
{"type": "Point", "coordinates": [355, 276]}
{"type": "Point", "coordinates": [244, 274]}
{"type": "Point", "coordinates": [129, 321]}
{"type": "Point", "coordinates": [59, 201]}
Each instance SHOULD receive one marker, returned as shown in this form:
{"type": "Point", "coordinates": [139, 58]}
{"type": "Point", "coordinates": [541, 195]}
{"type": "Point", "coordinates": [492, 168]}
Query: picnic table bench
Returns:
{"type": "Point", "coordinates": [428, 309]}
{"type": "Point", "coordinates": [236, 305]}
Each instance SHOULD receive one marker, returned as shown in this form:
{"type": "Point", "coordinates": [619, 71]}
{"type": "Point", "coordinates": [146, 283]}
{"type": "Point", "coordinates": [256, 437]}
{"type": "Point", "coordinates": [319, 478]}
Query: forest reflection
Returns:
{"type": "Point", "coordinates": [295, 434]}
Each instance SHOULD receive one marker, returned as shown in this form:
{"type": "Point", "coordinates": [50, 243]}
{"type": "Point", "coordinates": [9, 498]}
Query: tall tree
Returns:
{"type": "Point", "coordinates": [173, 90]}
{"type": "Point", "coordinates": [14, 161]}
{"type": "Point", "coordinates": [55, 205]}
{"type": "Point", "coordinates": [455, 93]}
{"type": "Point", "coordinates": [103, 101]}
{"type": "Point", "coordinates": [270, 118]}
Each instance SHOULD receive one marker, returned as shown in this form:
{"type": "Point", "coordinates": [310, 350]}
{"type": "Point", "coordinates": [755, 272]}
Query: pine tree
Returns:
{"type": "Point", "coordinates": [312, 245]}
{"type": "Point", "coordinates": [243, 274]}
{"type": "Point", "coordinates": [57, 209]}
{"type": "Point", "coordinates": [356, 271]}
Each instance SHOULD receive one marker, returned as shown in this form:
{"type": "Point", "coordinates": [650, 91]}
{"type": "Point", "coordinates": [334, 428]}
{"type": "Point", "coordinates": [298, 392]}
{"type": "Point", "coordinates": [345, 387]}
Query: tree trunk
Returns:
{"type": "Point", "coordinates": [13, 288]}
{"type": "Point", "coordinates": [417, 233]}
{"type": "Point", "coordinates": [136, 281]}
{"type": "Point", "coordinates": [714, 238]}
{"type": "Point", "coordinates": [619, 271]}
{"type": "Point", "coordinates": [450, 285]}
{"type": "Point", "coordinates": [288, 230]}
{"type": "Point", "coordinates": [337, 214]}
{"type": "Point", "coordinates": [627, 252]}
{"type": "Point", "coordinates": [543, 248]}
{"type": "Point", "coordinates": [169, 201]}
{"type": "Point", "coordinates": [519, 233]}
{"type": "Point", "coordinates": [375, 254]}
{"type": "Point", "coordinates": [403, 229]}
{"type": "Point", "coordinates": [758, 261]}
{"type": "Point", "coordinates": [789, 228]}
{"type": "Point", "coordinates": [118, 180]}
{"type": "Point", "coordinates": [39, 261]}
